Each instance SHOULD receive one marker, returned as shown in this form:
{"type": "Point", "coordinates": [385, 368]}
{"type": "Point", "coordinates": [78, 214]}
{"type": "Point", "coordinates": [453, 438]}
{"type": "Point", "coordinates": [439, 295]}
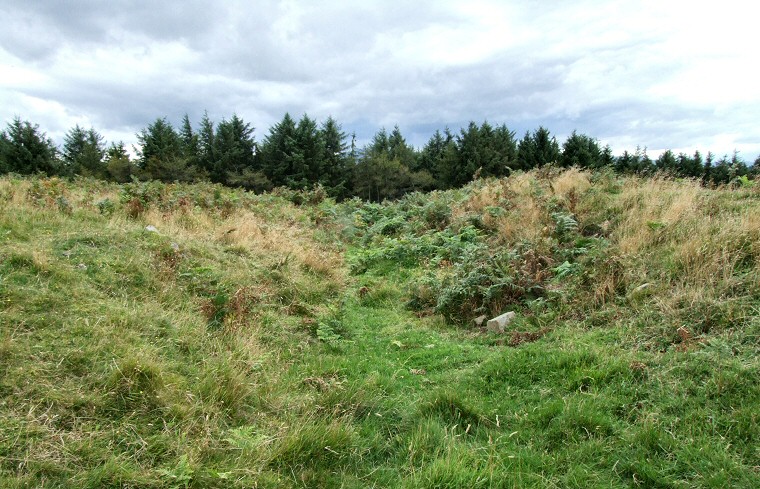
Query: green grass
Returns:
{"type": "Point", "coordinates": [234, 349]}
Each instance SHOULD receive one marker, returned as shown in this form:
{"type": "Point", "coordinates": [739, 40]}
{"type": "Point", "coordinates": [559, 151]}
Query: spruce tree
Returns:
{"type": "Point", "coordinates": [308, 165]}
{"type": "Point", "coordinates": [335, 159]}
{"type": "Point", "coordinates": [119, 167]}
{"type": "Point", "coordinates": [26, 150]}
{"type": "Point", "coordinates": [545, 147]}
{"type": "Point", "coordinates": [207, 159]}
{"type": "Point", "coordinates": [84, 152]}
{"type": "Point", "coordinates": [279, 150]}
{"type": "Point", "coordinates": [161, 155]}
{"type": "Point", "coordinates": [582, 151]}
{"type": "Point", "coordinates": [235, 155]}
{"type": "Point", "coordinates": [526, 159]}
{"type": "Point", "coordinates": [190, 144]}
{"type": "Point", "coordinates": [667, 162]}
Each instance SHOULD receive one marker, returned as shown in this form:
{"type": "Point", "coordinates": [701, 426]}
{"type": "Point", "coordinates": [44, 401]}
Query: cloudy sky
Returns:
{"type": "Point", "coordinates": [660, 74]}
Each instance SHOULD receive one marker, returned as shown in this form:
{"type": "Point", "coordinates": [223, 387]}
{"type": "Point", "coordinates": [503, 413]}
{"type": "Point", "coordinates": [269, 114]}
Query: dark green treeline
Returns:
{"type": "Point", "coordinates": [306, 153]}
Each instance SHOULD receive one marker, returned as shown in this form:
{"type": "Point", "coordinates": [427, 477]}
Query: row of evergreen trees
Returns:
{"type": "Point", "coordinates": [302, 154]}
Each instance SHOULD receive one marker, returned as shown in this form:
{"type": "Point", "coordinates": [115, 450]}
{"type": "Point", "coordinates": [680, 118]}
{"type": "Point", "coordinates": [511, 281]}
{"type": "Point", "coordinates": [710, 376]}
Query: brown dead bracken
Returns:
{"type": "Point", "coordinates": [520, 337]}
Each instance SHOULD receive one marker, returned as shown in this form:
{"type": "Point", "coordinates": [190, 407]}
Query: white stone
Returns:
{"type": "Point", "coordinates": [498, 323]}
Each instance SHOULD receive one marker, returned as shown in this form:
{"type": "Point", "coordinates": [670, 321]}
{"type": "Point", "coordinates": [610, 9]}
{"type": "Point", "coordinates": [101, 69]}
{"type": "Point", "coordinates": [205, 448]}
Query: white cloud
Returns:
{"type": "Point", "coordinates": [656, 74]}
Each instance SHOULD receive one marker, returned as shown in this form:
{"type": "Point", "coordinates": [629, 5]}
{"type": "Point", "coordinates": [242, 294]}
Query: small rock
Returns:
{"type": "Point", "coordinates": [151, 228]}
{"type": "Point", "coordinates": [175, 246]}
{"type": "Point", "coordinates": [82, 266]}
{"type": "Point", "coordinates": [642, 291]}
{"type": "Point", "coordinates": [480, 320]}
{"type": "Point", "coordinates": [498, 323]}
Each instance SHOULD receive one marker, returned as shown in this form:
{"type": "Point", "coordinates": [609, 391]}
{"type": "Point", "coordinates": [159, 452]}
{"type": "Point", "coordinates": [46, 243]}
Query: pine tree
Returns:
{"type": "Point", "coordinates": [606, 158]}
{"type": "Point", "coordinates": [473, 153]}
{"type": "Point", "coordinates": [545, 147]}
{"type": "Point", "coordinates": [582, 151]}
{"type": "Point", "coordinates": [707, 174]}
{"type": "Point", "coordinates": [526, 160]}
{"type": "Point", "coordinates": [721, 172]}
{"type": "Point", "coordinates": [235, 155]}
{"type": "Point", "coordinates": [431, 156]}
{"type": "Point", "coordinates": [161, 156]}
{"type": "Point", "coordinates": [24, 149]}
{"type": "Point", "coordinates": [119, 167]}
{"type": "Point", "coordinates": [537, 149]}
{"type": "Point", "coordinates": [400, 150]}
{"type": "Point", "coordinates": [691, 167]}
{"type": "Point", "coordinates": [449, 163]}
{"type": "Point", "coordinates": [626, 163]}
{"type": "Point", "coordinates": [380, 144]}
{"type": "Point", "coordinates": [335, 159]}
{"type": "Point", "coordinates": [738, 166]}
{"type": "Point", "coordinates": [190, 143]}
{"type": "Point", "coordinates": [279, 151]}
{"type": "Point", "coordinates": [754, 171]}
{"type": "Point", "coordinates": [84, 152]}
{"type": "Point", "coordinates": [505, 146]}
{"type": "Point", "coordinates": [207, 159]}
{"type": "Point", "coordinates": [440, 158]}
{"type": "Point", "coordinates": [643, 164]}
{"type": "Point", "coordinates": [308, 164]}
{"type": "Point", "coordinates": [490, 164]}
{"type": "Point", "coordinates": [667, 162]}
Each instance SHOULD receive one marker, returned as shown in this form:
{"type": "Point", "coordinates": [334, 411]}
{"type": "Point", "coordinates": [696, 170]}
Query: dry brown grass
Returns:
{"type": "Point", "coordinates": [696, 246]}
{"type": "Point", "coordinates": [571, 182]}
{"type": "Point", "coordinates": [654, 209]}
{"type": "Point", "coordinates": [272, 242]}
{"type": "Point", "coordinates": [521, 217]}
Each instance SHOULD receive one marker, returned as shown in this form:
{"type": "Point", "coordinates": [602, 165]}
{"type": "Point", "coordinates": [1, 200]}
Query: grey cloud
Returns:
{"type": "Point", "coordinates": [354, 61]}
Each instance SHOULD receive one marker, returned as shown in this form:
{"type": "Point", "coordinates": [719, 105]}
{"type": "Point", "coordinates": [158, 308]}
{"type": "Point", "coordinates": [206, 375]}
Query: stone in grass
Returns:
{"type": "Point", "coordinates": [480, 320]}
{"type": "Point", "coordinates": [498, 323]}
{"type": "Point", "coordinates": [151, 228]}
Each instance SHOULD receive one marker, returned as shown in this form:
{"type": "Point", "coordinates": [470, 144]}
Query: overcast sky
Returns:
{"type": "Point", "coordinates": [660, 74]}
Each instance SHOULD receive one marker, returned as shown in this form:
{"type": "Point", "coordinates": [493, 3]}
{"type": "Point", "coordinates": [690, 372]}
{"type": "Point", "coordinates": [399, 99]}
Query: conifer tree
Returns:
{"type": "Point", "coordinates": [235, 155]}
{"type": "Point", "coordinates": [667, 162]}
{"type": "Point", "coordinates": [206, 154]}
{"type": "Point", "coordinates": [279, 151]}
{"type": "Point", "coordinates": [26, 150]}
{"type": "Point", "coordinates": [84, 152]}
{"type": "Point", "coordinates": [335, 159]}
{"type": "Point", "coordinates": [190, 143]}
{"type": "Point", "coordinates": [606, 158]}
{"type": "Point", "coordinates": [708, 169]}
{"type": "Point", "coordinates": [161, 155]}
{"type": "Point", "coordinates": [545, 147]}
{"type": "Point", "coordinates": [308, 163]}
{"type": "Point", "coordinates": [526, 159]}
{"type": "Point", "coordinates": [119, 167]}
{"type": "Point", "coordinates": [582, 151]}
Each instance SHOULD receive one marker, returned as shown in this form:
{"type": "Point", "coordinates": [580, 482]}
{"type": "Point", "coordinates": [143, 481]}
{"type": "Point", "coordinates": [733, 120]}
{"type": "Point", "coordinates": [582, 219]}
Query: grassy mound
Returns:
{"type": "Point", "coordinates": [167, 336]}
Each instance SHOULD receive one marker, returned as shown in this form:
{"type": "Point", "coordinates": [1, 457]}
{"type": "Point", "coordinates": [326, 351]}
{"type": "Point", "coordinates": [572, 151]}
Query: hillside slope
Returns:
{"type": "Point", "coordinates": [159, 335]}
